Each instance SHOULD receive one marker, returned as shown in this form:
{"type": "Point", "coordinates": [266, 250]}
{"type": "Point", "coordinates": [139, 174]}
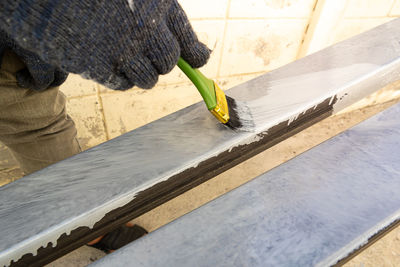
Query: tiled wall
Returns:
{"type": "Point", "coordinates": [248, 38]}
{"type": "Point", "coordinates": [337, 20]}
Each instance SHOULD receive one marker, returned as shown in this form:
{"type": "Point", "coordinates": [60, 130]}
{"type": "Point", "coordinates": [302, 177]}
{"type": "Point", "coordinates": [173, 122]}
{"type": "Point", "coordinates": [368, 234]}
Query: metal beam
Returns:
{"type": "Point", "coordinates": [318, 209]}
{"type": "Point", "coordinates": [55, 210]}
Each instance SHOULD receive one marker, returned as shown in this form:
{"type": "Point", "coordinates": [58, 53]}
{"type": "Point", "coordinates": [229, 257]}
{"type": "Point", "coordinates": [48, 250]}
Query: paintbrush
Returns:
{"type": "Point", "coordinates": [234, 114]}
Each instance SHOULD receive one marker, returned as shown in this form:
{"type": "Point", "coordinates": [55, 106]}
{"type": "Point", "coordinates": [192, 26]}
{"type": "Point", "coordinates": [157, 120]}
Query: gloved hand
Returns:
{"type": "Point", "coordinates": [37, 75]}
{"type": "Point", "coordinates": [118, 43]}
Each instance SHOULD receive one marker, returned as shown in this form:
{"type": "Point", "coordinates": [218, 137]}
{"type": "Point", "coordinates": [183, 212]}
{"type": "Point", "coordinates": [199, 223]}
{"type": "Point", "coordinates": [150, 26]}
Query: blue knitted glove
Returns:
{"type": "Point", "coordinates": [118, 43]}
{"type": "Point", "coordinates": [37, 75]}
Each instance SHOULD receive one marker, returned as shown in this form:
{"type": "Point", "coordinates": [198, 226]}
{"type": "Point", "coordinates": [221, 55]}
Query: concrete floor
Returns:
{"type": "Point", "coordinates": [386, 252]}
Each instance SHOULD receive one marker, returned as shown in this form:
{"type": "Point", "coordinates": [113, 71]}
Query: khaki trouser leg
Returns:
{"type": "Point", "coordinates": [33, 125]}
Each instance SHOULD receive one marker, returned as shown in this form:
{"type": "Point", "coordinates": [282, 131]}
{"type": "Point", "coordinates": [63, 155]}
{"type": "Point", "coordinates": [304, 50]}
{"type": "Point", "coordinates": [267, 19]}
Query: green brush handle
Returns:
{"type": "Point", "coordinates": [204, 85]}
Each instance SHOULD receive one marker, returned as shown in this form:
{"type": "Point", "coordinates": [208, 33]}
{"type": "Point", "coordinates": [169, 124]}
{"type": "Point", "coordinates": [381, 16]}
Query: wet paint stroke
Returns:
{"type": "Point", "coordinates": [305, 212]}
{"type": "Point", "coordinates": [83, 189]}
{"type": "Point", "coordinates": [305, 92]}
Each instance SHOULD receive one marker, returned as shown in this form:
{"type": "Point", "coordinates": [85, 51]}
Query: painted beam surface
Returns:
{"type": "Point", "coordinates": [55, 210]}
{"type": "Point", "coordinates": [314, 210]}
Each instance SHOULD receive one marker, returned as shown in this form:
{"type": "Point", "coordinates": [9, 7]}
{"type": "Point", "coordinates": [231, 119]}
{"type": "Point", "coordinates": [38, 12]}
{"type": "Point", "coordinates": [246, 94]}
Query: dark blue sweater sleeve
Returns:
{"type": "Point", "coordinates": [118, 43]}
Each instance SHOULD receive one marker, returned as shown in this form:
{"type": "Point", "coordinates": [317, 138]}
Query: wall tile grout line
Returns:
{"type": "Point", "coordinates": [391, 8]}
{"type": "Point", "coordinates": [223, 38]}
{"type": "Point", "coordinates": [103, 117]}
{"type": "Point", "coordinates": [307, 29]}
{"type": "Point", "coordinates": [80, 96]}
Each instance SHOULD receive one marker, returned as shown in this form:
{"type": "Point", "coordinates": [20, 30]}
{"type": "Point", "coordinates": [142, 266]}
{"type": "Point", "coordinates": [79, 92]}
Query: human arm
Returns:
{"type": "Point", "coordinates": [114, 42]}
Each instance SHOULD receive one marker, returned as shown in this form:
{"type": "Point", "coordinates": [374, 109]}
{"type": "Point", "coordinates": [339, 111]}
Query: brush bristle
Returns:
{"type": "Point", "coordinates": [240, 117]}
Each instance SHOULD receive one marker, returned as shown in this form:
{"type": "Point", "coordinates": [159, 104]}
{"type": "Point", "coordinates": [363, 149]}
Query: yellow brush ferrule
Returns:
{"type": "Point", "coordinates": [213, 96]}
{"type": "Point", "coordinates": [220, 111]}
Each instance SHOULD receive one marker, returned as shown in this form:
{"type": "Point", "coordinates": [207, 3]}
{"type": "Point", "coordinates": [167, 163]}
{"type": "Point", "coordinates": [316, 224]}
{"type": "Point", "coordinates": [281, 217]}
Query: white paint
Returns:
{"type": "Point", "coordinates": [266, 111]}
{"type": "Point", "coordinates": [311, 89]}
{"type": "Point", "coordinates": [90, 218]}
{"type": "Point", "coordinates": [131, 5]}
{"type": "Point", "coordinates": [366, 85]}
{"type": "Point", "coordinates": [274, 101]}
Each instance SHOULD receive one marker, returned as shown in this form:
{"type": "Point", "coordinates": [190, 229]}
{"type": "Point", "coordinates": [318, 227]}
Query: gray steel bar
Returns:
{"type": "Point", "coordinates": [127, 176]}
{"type": "Point", "coordinates": [314, 210]}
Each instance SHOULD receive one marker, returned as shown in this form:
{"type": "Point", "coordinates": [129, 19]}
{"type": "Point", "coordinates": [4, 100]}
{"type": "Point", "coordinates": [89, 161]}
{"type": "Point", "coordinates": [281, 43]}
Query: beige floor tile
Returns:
{"type": "Point", "coordinates": [87, 116]}
{"type": "Point", "coordinates": [75, 259]}
{"type": "Point", "coordinates": [204, 8]}
{"type": "Point", "coordinates": [260, 45]}
{"type": "Point", "coordinates": [385, 252]}
{"type": "Point", "coordinates": [367, 8]}
{"type": "Point", "coordinates": [75, 86]}
{"type": "Point", "coordinates": [271, 8]}
{"type": "Point", "coordinates": [128, 110]}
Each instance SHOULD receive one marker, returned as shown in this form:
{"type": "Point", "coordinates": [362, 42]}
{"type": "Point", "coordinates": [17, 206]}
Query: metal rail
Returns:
{"type": "Point", "coordinates": [53, 211]}
{"type": "Point", "coordinates": [317, 209]}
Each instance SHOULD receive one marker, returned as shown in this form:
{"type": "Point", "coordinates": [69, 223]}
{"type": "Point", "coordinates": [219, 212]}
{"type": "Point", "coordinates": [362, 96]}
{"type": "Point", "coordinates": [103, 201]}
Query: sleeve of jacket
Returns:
{"type": "Point", "coordinates": [37, 74]}
{"type": "Point", "coordinates": [118, 43]}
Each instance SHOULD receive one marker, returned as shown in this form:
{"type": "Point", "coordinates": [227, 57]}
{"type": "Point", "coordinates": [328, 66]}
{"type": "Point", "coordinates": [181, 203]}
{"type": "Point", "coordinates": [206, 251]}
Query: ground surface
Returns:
{"type": "Point", "coordinates": [385, 252]}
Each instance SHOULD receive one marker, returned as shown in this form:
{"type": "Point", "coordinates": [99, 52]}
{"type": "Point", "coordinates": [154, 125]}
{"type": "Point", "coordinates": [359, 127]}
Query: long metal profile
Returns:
{"type": "Point", "coordinates": [318, 209]}
{"type": "Point", "coordinates": [53, 211]}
